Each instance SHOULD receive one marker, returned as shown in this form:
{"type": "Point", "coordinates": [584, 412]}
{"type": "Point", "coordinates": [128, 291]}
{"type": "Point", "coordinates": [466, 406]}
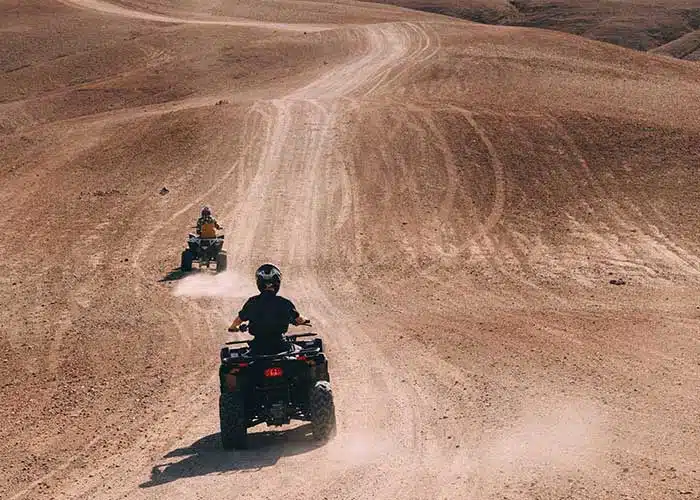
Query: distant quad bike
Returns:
{"type": "Point", "coordinates": [274, 389]}
{"type": "Point", "coordinates": [204, 251]}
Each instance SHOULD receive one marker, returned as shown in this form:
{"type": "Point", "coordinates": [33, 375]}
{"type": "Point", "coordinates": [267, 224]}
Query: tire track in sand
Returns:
{"type": "Point", "coordinates": [289, 195]}
{"type": "Point", "coordinates": [380, 424]}
{"type": "Point", "coordinates": [117, 10]}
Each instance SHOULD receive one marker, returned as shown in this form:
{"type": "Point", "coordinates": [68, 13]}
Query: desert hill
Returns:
{"type": "Point", "coordinates": [493, 228]}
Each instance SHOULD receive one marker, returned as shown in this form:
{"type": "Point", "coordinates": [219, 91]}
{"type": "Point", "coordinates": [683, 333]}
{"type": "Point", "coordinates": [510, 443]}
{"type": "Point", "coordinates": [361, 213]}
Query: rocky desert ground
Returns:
{"type": "Point", "coordinates": [494, 228]}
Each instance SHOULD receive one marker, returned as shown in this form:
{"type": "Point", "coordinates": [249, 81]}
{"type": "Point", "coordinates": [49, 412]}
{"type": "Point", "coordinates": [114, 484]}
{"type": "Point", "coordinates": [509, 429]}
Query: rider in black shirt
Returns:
{"type": "Point", "coordinates": [268, 314]}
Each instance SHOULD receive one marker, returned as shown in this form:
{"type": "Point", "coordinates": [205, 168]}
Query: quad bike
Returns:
{"type": "Point", "coordinates": [204, 251]}
{"type": "Point", "coordinates": [274, 389]}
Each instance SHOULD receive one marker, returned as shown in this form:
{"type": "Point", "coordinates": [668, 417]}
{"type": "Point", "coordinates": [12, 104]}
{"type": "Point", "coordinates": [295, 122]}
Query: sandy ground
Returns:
{"type": "Point", "coordinates": [449, 202]}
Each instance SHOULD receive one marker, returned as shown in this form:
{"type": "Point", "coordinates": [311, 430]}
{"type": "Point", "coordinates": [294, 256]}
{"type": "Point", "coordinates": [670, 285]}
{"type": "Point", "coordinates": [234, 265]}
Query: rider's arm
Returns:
{"type": "Point", "coordinates": [294, 317]}
{"type": "Point", "coordinates": [301, 320]}
{"type": "Point", "coordinates": [236, 323]}
{"type": "Point", "coordinates": [243, 315]}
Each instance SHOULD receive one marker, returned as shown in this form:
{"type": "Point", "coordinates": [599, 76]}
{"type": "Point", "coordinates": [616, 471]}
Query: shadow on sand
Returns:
{"type": "Point", "coordinates": [205, 456]}
{"type": "Point", "coordinates": [174, 275]}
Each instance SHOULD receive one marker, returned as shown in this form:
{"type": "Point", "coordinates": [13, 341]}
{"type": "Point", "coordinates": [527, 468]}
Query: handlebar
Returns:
{"type": "Point", "coordinates": [241, 328]}
{"type": "Point", "coordinates": [244, 327]}
{"type": "Point", "coordinates": [291, 338]}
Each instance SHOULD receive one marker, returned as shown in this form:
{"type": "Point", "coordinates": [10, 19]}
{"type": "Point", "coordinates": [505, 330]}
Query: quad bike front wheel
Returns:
{"type": "Point", "coordinates": [221, 261]}
{"type": "Point", "coordinates": [322, 409]}
{"type": "Point", "coordinates": [186, 260]}
{"type": "Point", "coordinates": [234, 429]}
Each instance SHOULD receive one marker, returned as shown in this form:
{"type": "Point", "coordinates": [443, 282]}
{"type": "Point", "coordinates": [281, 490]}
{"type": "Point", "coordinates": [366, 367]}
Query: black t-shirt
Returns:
{"type": "Point", "coordinates": [269, 315]}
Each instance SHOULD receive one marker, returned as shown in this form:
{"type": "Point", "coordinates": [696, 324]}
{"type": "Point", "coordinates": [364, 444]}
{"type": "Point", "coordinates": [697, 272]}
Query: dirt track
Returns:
{"type": "Point", "coordinates": [447, 201]}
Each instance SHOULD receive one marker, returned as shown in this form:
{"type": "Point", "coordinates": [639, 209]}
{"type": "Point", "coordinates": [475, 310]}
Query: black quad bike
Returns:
{"type": "Point", "coordinates": [204, 251]}
{"type": "Point", "coordinates": [274, 389]}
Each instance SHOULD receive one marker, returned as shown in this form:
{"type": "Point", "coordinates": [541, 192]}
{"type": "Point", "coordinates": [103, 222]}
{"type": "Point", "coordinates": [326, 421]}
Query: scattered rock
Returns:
{"type": "Point", "coordinates": [100, 193]}
{"type": "Point", "coordinates": [618, 281]}
{"type": "Point", "coordinates": [164, 191]}
{"type": "Point", "coordinates": [222, 102]}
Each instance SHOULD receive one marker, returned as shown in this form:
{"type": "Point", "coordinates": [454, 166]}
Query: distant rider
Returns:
{"type": "Point", "coordinates": [206, 224]}
{"type": "Point", "coordinates": [268, 314]}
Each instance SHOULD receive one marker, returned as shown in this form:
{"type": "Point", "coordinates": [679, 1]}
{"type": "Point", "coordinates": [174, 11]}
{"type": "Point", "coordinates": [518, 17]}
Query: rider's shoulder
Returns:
{"type": "Point", "coordinates": [285, 300]}
{"type": "Point", "coordinates": [251, 300]}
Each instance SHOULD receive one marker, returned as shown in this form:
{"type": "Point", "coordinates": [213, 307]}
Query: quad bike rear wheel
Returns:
{"type": "Point", "coordinates": [186, 260]}
{"type": "Point", "coordinates": [221, 261]}
{"type": "Point", "coordinates": [322, 409]}
{"type": "Point", "coordinates": [234, 431]}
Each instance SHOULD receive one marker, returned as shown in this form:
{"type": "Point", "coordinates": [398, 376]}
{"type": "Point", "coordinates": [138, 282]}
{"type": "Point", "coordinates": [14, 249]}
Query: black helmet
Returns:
{"type": "Point", "coordinates": [206, 212]}
{"type": "Point", "coordinates": [266, 275]}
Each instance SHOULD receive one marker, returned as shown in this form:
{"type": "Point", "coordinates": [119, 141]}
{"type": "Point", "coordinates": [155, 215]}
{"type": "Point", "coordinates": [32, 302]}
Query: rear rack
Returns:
{"type": "Point", "coordinates": [291, 338]}
{"type": "Point", "coordinates": [235, 342]}
{"type": "Point", "coordinates": [311, 351]}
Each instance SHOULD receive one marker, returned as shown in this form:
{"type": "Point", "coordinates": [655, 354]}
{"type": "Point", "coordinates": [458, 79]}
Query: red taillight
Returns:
{"type": "Point", "coordinates": [273, 372]}
{"type": "Point", "coordinates": [242, 365]}
{"type": "Point", "coordinates": [301, 357]}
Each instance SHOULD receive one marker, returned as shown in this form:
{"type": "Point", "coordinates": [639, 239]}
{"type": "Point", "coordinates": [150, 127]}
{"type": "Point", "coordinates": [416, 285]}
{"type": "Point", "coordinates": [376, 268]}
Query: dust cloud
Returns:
{"type": "Point", "coordinates": [230, 284]}
{"type": "Point", "coordinates": [559, 435]}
